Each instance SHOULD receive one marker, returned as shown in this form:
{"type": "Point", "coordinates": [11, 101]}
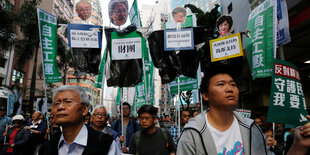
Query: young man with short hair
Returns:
{"type": "Point", "coordinates": [151, 140]}
{"type": "Point", "coordinates": [185, 115]}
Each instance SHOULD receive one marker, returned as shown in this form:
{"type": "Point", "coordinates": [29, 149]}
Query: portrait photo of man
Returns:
{"type": "Point", "coordinates": [83, 9]}
{"type": "Point", "coordinates": [118, 12]}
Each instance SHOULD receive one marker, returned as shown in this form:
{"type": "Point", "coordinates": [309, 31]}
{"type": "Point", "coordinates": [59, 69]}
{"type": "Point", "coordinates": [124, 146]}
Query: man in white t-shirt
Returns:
{"type": "Point", "coordinates": [221, 131]}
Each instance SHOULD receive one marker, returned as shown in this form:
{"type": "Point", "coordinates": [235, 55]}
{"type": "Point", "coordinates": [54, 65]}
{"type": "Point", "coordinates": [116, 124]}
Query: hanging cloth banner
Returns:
{"type": "Point", "coordinates": [85, 42]}
{"type": "Point", "coordinates": [122, 73]}
{"type": "Point", "coordinates": [14, 102]}
{"type": "Point", "coordinates": [48, 39]}
{"type": "Point", "coordinates": [283, 34]}
{"type": "Point", "coordinates": [261, 48]}
{"type": "Point", "coordinates": [134, 15]}
{"type": "Point", "coordinates": [226, 47]}
{"type": "Point", "coordinates": [287, 101]}
{"type": "Point", "coordinates": [186, 84]}
{"type": "Point", "coordinates": [41, 105]}
{"type": "Point", "coordinates": [98, 83]}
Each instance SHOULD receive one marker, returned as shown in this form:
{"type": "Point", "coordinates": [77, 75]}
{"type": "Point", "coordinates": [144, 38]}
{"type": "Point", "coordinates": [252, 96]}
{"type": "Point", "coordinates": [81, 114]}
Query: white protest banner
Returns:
{"type": "Point", "coordinates": [129, 48]}
{"type": "Point", "coordinates": [126, 47]}
{"type": "Point", "coordinates": [182, 39]}
{"type": "Point", "coordinates": [226, 47]}
{"type": "Point", "coordinates": [84, 36]}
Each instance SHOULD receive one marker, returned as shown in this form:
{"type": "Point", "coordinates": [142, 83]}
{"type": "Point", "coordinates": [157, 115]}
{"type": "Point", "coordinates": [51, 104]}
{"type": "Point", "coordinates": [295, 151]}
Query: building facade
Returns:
{"type": "Point", "coordinates": [204, 5]}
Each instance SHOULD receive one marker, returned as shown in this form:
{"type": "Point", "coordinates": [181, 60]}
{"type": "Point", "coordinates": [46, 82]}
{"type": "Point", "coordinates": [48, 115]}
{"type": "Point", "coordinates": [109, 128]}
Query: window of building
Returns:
{"type": "Point", "coordinates": [1, 80]}
{"type": "Point", "coordinates": [18, 76]}
{"type": "Point", "coordinates": [2, 62]}
{"type": "Point", "coordinates": [229, 8]}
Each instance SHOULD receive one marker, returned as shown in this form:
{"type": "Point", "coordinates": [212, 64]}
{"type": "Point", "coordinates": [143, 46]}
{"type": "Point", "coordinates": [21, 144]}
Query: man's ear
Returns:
{"type": "Point", "coordinates": [205, 96]}
{"type": "Point", "coordinates": [85, 110]}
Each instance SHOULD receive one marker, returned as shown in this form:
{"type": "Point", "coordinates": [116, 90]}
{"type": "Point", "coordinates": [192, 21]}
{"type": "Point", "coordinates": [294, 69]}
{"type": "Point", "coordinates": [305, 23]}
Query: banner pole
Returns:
{"type": "Point", "coordinates": [179, 113]}
{"type": "Point", "coordinates": [122, 117]}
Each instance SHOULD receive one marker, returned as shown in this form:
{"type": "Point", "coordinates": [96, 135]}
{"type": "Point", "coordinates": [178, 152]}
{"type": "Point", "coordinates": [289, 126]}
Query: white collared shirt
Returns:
{"type": "Point", "coordinates": [77, 146]}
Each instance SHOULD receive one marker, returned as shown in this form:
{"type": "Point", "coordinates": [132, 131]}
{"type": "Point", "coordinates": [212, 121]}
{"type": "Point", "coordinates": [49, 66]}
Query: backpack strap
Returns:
{"type": "Point", "coordinates": [137, 141]}
{"type": "Point", "coordinates": [163, 133]}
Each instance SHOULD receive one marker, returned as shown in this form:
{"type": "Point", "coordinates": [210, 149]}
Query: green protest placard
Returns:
{"type": "Point", "coordinates": [134, 14]}
{"type": "Point", "coordinates": [186, 84]}
{"type": "Point", "coordinates": [48, 38]}
{"type": "Point", "coordinates": [98, 83]}
{"type": "Point", "coordinates": [260, 48]}
{"type": "Point", "coordinates": [287, 101]}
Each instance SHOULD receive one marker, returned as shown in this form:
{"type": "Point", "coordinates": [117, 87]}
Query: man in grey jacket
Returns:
{"type": "Point", "coordinates": [220, 130]}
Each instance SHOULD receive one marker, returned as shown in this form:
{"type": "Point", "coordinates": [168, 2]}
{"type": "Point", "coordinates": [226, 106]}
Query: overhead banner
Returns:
{"type": "Point", "coordinates": [283, 34]}
{"type": "Point", "coordinates": [179, 39]}
{"type": "Point", "coordinates": [125, 47]}
{"type": "Point", "coordinates": [287, 101]}
{"type": "Point", "coordinates": [41, 105]}
{"type": "Point", "coordinates": [48, 39]}
{"type": "Point", "coordinates": [186, 84]}
{"type": "Point", "coordinates": [134, 15]}
{"type": "Point", "coordinates": [226, 47]}
{"type": "Point", "coordinates": [260, 48]}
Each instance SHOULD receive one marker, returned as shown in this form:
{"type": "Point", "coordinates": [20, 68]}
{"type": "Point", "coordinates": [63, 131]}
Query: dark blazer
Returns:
{"type": "Point", "coordinates": [20, 139]}
{"type": "Point", "coordinates": [38, 138]}
{"type": "Point", "coordinates": [97, 143]}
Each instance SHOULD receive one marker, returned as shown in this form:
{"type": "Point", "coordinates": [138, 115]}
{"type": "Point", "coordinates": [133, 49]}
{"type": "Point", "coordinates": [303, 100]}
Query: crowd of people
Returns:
{"type": "Point", "coordinates": [73, 129]}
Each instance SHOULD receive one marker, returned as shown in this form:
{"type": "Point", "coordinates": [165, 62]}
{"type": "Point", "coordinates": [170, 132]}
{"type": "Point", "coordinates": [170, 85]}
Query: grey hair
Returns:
{"type": "Point", "coordinates": [83, 96]}
{"type": "Point", "coordinates": [98, 107]}
{"type": "Point", "coordinates": [179, 9]}
{"type": "Point", "coordinates": [113, 3]}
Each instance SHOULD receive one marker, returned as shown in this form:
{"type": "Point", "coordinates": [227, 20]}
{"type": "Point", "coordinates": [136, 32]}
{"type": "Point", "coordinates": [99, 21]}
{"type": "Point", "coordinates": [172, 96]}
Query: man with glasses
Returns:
{"type": "Point", "coordinates": [70, 106]}
{"type": "Point", "coordinates": [130, 126]}
{"type": "Point", "coordinates": [118, 12]}
{"type": "Point", "coordinates": [185, 115]}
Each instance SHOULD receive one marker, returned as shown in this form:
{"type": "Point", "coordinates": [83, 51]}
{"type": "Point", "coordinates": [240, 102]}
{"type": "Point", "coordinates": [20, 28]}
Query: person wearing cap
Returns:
{"type": "Point", "coordinates": [27, 118]}
{"type": "Point", "coordinates": [4, 121]}
{"type": "Point", "coordinates": [70, 106]}
{"type": "Point", "coordinates": [16, 137]}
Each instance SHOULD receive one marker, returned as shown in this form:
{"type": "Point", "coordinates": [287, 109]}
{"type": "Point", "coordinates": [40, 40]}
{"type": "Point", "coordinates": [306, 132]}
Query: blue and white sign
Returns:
{"type": "Point", "coordinates": [178, 39]}
{"type": "Point", "coordinates": [283, 32]}
{"type": "Point", "coordinates": [84, 36]}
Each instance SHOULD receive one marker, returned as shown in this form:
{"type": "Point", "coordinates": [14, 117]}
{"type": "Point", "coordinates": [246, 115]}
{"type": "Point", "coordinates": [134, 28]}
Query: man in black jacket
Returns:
{"type": "Point", "coordinates": [70, 106]}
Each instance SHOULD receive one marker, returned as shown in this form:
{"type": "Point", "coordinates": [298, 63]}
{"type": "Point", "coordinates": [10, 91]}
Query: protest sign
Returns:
{"type": "Point", "coordinates": [125, 47]}
{"type": "Point", "coordinates": [84, 36]}
{"type": "Point", "coordinates": [48, 38]}
{"type": "Point", "coordinates": [261, 47]}
{"type": "Point", "coordinates": [287, 101]}
{"type": "Point", "coordinates": [226, 47]}
{"type": "Point", "coordinates": [182, 39]}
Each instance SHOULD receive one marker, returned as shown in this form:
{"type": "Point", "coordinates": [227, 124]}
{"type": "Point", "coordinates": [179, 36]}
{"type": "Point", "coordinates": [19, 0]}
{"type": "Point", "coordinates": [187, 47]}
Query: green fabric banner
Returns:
{"type": "Point", "coordinates": [260, 48]}
{"type": "Point", "coordinates": [98, 83]}
{"type": "Point", "coordinates": [134, 15]}
{"type": "Point", "coordinates": [48, 38]}
{"type": "Point", "coordinates": [287, 101]}
{"type": "Point", "coordinates": [118, 97]}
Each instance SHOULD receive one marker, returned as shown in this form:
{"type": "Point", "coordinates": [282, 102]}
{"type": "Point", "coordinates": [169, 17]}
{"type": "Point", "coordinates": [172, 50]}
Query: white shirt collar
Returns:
{"type": "Point", "coordinates": [38, 122]}
{"type": "Point", "coordinates": [80, 139]}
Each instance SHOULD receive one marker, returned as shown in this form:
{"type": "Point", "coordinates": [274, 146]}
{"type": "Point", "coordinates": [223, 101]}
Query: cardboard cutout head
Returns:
{"type": "Point", "coordinates": [118, 12]}
{"type": "Point", "coordinates": [83, 9]}
{"type": "Point", "coordinates": [224, 24]}
{"type": "Point", "coordinates": [179, 14]}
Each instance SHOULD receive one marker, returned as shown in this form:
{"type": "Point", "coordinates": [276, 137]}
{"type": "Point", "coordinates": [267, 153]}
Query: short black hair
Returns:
{"type": "Point", "coordinates": [212, 71]}
{"type": "Point", "coordinates": [224, 18]}
{"type": "Point", "coordinates": [148, 109]}
{"type": "Point", "coordinates": [185, 110]}
{"type": "Point", "coordinates": [125, 103]}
